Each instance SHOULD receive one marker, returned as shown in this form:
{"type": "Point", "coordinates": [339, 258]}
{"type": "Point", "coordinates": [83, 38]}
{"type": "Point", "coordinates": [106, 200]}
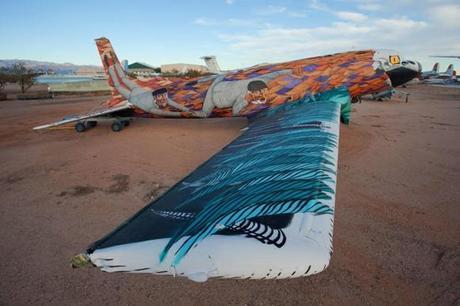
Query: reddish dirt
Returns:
{"type": "Point", "coordinates": [397, 229]}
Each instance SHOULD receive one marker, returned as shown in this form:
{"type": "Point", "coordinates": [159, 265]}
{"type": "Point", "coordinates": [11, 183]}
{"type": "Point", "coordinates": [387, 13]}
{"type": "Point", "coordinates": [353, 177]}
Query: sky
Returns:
{"type": "Point", "coordinates": [239, 33]}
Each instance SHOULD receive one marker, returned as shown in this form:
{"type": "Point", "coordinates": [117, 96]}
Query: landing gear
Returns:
{"type": "Point", "coordinates": [117, 123]}
{"type": "Point", "coordinates": [117, 126]}
{"type": "Point", "coordinates": [80, 127]}
{"type": "Point", "coordinates": [91, 123]}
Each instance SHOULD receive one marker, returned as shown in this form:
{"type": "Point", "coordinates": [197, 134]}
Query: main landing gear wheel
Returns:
{"type": "Point", "coordinates": [80, 127]}
{"type": "Point", "coordinates": [117, 126]}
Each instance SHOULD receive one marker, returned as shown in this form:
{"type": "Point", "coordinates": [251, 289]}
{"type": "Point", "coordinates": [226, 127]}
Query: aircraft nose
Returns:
{"type": "Point", "coordinates": [403, 73]}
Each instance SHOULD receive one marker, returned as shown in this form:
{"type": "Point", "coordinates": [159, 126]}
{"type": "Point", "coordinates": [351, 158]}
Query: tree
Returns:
{"type": "Point", "coordinates": [5, 77]}
{"type": "Point", "coordinates": [24, 77]}
{"type": "Point", "coordinates": [132, 75]}
{"type": "Point", "coordinates": [194, 73]}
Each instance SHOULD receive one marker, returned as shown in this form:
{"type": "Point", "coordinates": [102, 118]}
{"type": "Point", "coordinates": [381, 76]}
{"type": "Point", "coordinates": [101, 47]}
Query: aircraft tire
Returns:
{"type": "Point", "coordinates": [117, 126]}
{"type": "Point", "coordinates": [80, 127]}
{"type": "Point", "coordinates": [126, 123]}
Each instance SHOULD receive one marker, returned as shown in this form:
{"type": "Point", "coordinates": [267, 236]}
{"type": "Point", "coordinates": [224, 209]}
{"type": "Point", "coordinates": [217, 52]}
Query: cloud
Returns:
{"type": "Point", "coordinates": [432, 28]}
{"type": "Point", "coordinates": [271, 10]}
{"type": "Point", "coordinates": [370, 6]}
{"type": "Point", "coordinates": [205, 22]}
{"type": "Point", "coordinates": [277, 10]}
{"type": "Point", "coordinates": [229, 2]}
{"type": "Point", "coordinates": [230, 22]}
{"type": "Point", "coordinates": [399, 24]}
{"type": "Point", "coordinates": [351, 16]}
{"type": "Point", "coordinates": [446, 15]}
{"type": "Point", "coordinates": [317, 5]}
{"type": "Point", "coordinates": [287, 43]}
{"type": "Point", "coordinates": [298, 14]}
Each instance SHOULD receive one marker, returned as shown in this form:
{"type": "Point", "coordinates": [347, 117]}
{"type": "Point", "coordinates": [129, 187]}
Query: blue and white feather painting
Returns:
{"type": "Point", "coordinates": [285, 163]}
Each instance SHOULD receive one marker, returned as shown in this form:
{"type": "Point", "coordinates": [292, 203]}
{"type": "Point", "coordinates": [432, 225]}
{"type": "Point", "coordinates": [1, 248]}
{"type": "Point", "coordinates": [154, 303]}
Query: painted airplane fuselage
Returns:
{"type": "Point", "coordinates": [244, 92]}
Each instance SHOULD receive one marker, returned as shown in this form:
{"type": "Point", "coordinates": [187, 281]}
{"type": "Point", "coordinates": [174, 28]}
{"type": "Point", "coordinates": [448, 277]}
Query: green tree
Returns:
{"type": "Point", "coordinates": [5, 77]}
{"type": "Point", "coordinates": [132, 75]}
{"type": "Point", "coordinates": [193, 73]}
{"type": "Point", "coordinates": [24, 76]}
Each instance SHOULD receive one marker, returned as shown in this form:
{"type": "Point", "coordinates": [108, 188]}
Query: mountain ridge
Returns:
{"type": "Point", "coordinates": [45, 65]}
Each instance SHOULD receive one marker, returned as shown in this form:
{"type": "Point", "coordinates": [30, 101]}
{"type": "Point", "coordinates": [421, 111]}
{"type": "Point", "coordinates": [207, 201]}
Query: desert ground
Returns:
{"type": "Point", "coordinates": [397, 224]}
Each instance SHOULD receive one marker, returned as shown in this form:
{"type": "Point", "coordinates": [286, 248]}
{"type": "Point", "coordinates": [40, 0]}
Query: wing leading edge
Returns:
{"type": "Point", "coordinates": [261, 208]}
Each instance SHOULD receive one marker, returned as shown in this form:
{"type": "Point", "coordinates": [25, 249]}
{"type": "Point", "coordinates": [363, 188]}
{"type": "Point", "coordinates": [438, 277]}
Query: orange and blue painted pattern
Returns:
{"type": "Point", "coordinates": [353, 70]}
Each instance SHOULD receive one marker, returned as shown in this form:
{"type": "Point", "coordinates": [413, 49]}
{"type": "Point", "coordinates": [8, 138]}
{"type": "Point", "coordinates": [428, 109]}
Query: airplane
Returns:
{"type": "Point", "coordinates": [211, 63]}
{"type": "Point", "coordinates": [448, 73]}
{"type": "Point", "coordinates": [431, 73]}
{"type": "Point", "coordinates": [449, 77]}
{"type": "Point", "coordinates": [224, 94]}
{"type": "Point", "coordinates": [447, 56]}
{"type": "Point", "coordinates": [263, 207]}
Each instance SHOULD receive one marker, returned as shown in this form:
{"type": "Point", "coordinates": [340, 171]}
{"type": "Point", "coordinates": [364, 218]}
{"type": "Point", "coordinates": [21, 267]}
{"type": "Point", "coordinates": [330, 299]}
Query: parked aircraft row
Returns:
{"type": "Point", "coordinates": [447, 77]}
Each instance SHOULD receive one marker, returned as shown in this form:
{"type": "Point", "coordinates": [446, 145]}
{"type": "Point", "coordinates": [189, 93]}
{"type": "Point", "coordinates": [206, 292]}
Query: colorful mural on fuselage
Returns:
{"type": "Point", "coordinates": [243, 92]}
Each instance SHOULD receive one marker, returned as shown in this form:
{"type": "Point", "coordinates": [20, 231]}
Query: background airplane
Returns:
{"type": "Point", "coordinates": [430, 73]}
{"type": "Point", "coordinates": [449, 77]}
{"type": "Point", "coordinates": [446, 56]}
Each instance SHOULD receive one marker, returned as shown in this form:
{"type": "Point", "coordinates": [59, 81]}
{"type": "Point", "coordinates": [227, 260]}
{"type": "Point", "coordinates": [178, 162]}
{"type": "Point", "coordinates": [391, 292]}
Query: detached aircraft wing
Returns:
{"type": "Point", "coordinates": [262, 208]}
{"type": "Point", "coordinates": [101, 111]}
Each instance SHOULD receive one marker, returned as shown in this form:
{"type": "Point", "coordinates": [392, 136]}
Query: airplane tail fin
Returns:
{"type": "Point", "coordinates": [436, 68]}
{"type": "Point", "coordinates": [211, 63]}
{"type": "Point", "coordinates": [450, 69]}
{"type": "Point", "coordinates": [108, 58]}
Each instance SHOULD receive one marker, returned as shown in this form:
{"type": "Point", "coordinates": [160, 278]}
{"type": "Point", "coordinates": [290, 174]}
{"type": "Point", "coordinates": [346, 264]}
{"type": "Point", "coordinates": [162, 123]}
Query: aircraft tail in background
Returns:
{"type": "Point", "coordinates": [435, 68]}
{"type": "Point", "coordinates": [450, 69]}
{"type": "Point", "coordinates": [211, 63]}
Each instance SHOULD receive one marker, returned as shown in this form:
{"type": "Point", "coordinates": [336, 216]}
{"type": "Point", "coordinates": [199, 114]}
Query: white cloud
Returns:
{"type": "Point", "coordinates": [351, 16]}
{"type": "Point", "coordinates": [432, 28]}
{"type": "Point", "coordinates": [277, 10]}
{"type": "Point", "coordinates": [370, 7]}
{"type": "Point", "coordinates": [230, 22]}
{"type": "Point", "coordinates": [317, 5]}
{"type": "Point", "coordinates": [446, 15]}
{"type": "Point", "coordinates": [229, 2]}
{"type": "Point", "coordinates": [399, 24]}
{"type": "Point", "coordinates": [205, 21]}
{"type": "Point", "coordinates": [283, 43]}
{"type": "Point", "coordinates": [271, 10]}
{"type": "Point", "coordinates": [298, 14]}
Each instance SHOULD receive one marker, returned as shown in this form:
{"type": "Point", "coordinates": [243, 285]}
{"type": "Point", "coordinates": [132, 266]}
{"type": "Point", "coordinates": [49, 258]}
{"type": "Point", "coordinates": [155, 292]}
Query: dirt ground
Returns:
{"type": "Point", "coordinates": [397, 224]}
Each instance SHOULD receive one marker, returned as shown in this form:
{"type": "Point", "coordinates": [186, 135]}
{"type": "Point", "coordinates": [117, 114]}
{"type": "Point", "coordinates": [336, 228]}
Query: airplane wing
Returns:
{"type": "Point", "coordinates": [446, 56]}
{"type": "Point", "coordinates": [263, 207]}
{"type": "Point", "coordinates": [101, 111]}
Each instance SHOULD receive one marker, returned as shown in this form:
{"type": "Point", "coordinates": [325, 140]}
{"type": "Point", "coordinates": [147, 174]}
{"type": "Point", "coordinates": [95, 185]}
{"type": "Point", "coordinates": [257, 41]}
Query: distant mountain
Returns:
{"type": "Point", "coordinates": [65, 68]}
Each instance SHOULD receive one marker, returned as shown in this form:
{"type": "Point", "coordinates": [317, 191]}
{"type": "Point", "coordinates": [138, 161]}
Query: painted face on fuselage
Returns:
{"type": "Point", "coordinates": [160, 97]}
{"type": "Point", "coordinates": [257, 92]}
